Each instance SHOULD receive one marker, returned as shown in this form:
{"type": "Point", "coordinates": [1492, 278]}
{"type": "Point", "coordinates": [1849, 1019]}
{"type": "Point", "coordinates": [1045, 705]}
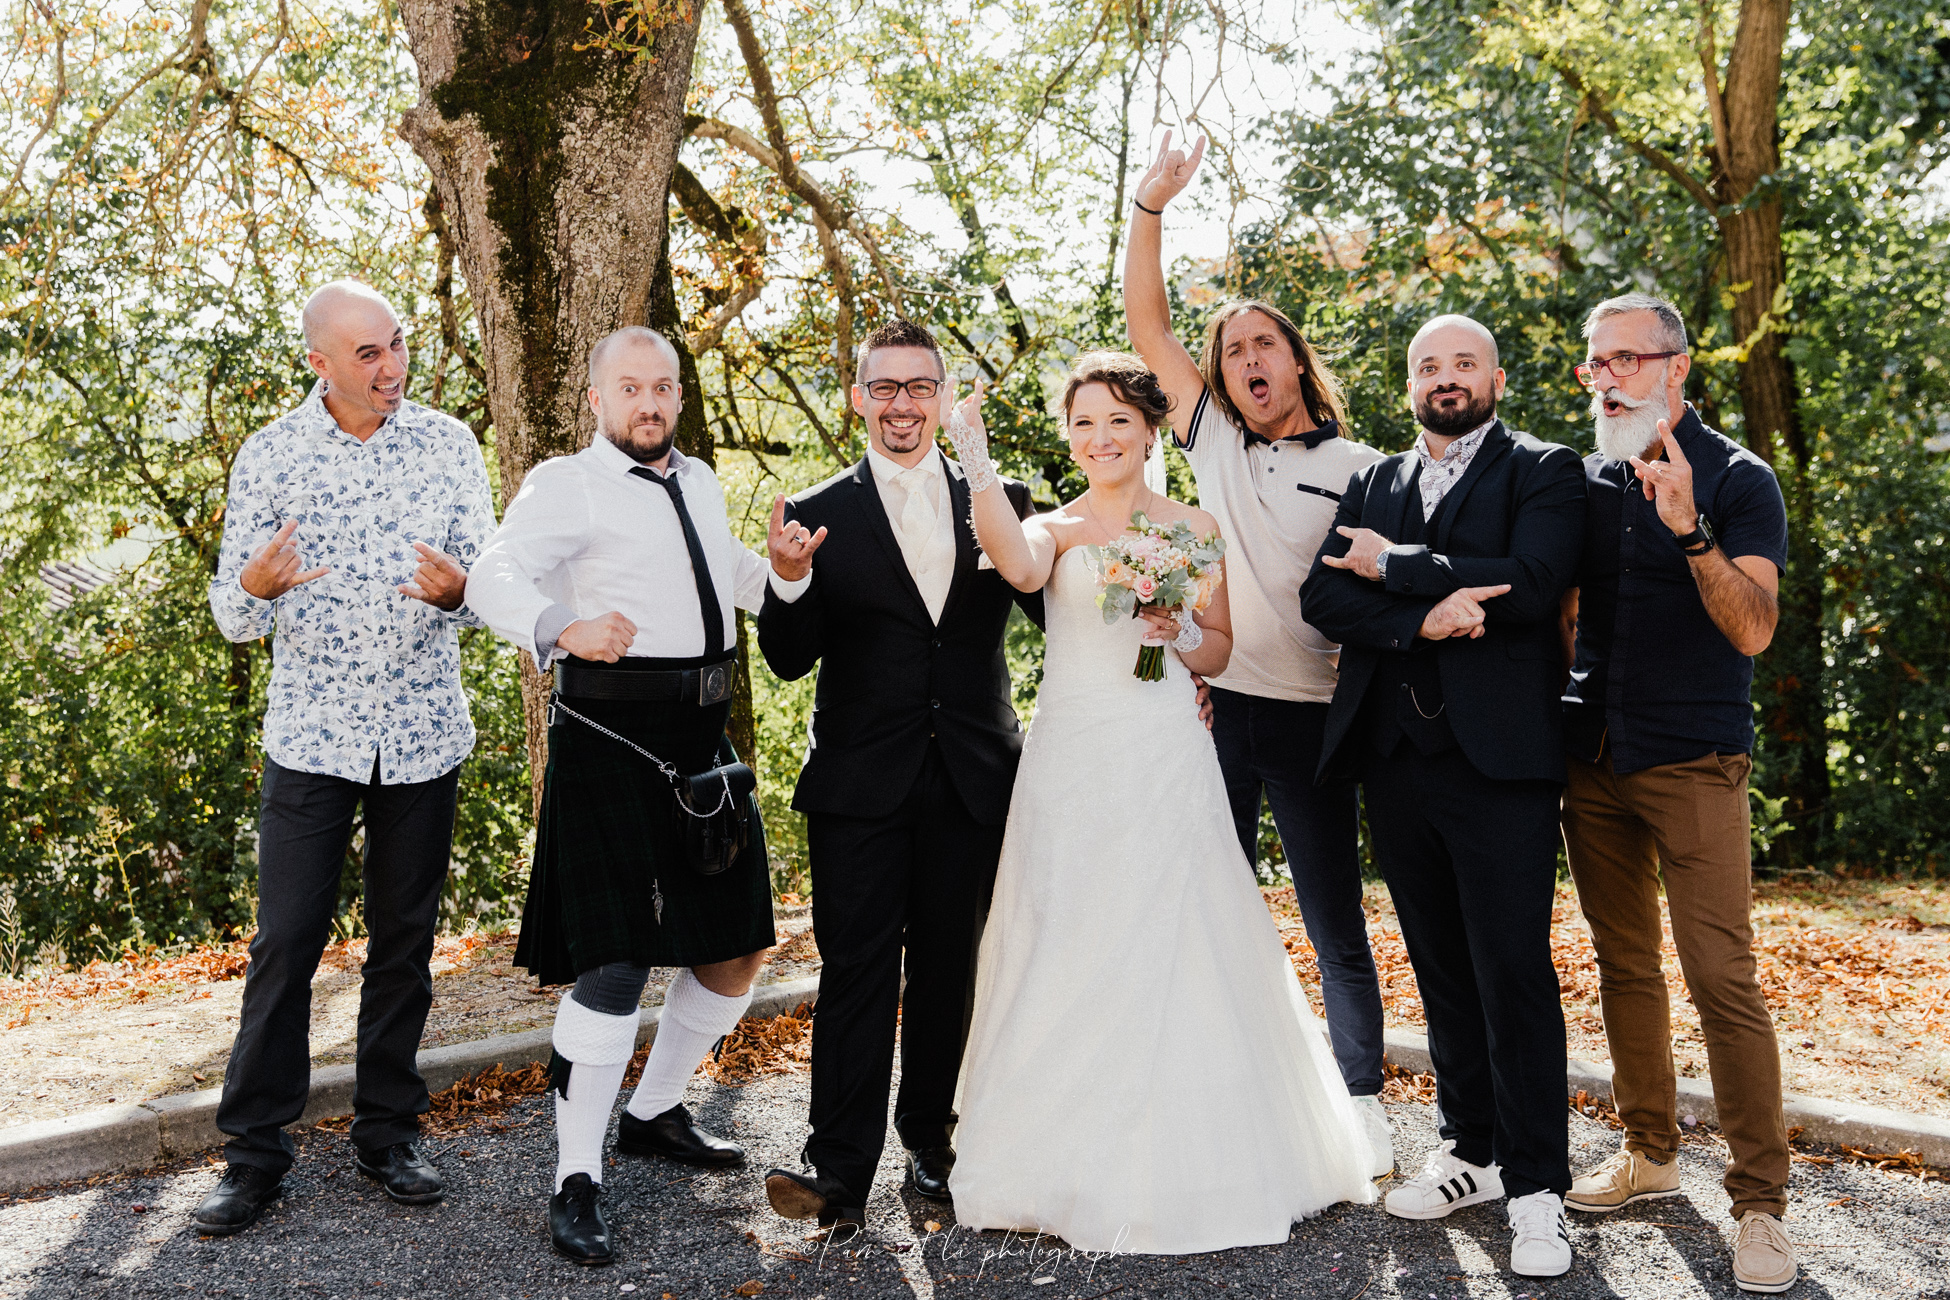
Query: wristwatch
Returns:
{"type": "Point", "coordinates": [1699, 541]}
{"type": "Point", "coordinates": [1381, 564]}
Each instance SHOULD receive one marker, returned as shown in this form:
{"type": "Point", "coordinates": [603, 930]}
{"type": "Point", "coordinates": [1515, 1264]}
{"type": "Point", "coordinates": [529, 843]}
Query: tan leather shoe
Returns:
{"type": "Point", "coordinates": [1763, 1257]}
{"type": "Point", "coordinates": [1626, 1177]}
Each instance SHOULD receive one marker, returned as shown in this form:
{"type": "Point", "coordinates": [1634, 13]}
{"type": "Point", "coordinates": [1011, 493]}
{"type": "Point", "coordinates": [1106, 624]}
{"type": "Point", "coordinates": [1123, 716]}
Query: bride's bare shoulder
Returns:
{"type": "Point", "coordinates": [1065, 521]}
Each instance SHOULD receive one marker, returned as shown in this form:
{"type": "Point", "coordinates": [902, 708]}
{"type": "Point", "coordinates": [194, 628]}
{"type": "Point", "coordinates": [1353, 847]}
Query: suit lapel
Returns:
{"type": "Point", "coordinates": [968, 553]}
{"type": "Point", "coordinates": [866, 494]}
{"type": "Point", "coordinates": [1404, 488]}
{"type": "Point", "coordinates": [1495, 443]}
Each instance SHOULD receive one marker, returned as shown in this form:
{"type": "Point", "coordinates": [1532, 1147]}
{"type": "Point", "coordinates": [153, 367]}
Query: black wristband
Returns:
{"type": "Point", "coordinates": [1156, 212]}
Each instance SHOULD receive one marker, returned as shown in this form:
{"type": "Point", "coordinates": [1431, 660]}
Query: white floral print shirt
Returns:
{"type": "Point", "coordinates": [358, 670]}
{"type": "Point", "coordinates": [1439, 474]}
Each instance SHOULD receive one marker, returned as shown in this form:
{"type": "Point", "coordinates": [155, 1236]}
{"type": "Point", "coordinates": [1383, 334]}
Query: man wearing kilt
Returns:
{"type": "Point", "coordinates": [617, 566]}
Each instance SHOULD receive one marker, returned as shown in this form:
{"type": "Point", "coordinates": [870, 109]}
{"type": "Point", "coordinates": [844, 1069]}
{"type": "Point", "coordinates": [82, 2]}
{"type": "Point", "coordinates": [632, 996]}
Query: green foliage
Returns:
{"type": "Point", "coordinates": [150, 261]}
{"type": "Point", "coordinates": [1459, 168]}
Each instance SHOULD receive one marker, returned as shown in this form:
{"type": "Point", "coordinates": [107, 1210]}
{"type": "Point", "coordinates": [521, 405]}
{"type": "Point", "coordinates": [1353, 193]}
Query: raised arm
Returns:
{"type": "Point", "coordinates": [1147, 309]}
{"type": "Point", "coordinates": [1022, 551]}
{"type": "Point", "coordinates": [792, 628]}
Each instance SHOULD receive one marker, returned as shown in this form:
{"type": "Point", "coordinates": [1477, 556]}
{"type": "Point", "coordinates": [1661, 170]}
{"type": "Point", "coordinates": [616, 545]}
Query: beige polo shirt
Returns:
{"type": "Point", "coordinates": [1275, 503]}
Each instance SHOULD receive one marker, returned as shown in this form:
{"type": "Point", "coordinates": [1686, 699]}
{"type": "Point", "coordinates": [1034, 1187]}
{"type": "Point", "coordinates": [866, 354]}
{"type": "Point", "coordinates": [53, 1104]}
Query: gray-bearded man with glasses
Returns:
{"type": "Point", "coordinates": [909, 767]}
{"type": "Point", "coordinates": [1685, 542]}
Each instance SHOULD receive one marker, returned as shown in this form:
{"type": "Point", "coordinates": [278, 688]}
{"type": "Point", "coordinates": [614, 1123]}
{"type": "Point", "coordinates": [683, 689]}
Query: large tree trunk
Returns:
{"type": "Point", "coordinates": [553, 165]}
{"type": "Point", "coordinates": [1790, 674]}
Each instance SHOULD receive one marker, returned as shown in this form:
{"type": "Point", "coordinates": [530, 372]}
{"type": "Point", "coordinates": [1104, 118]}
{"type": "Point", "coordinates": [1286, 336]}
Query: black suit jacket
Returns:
{"type": "Point", "coordinates": [1515, 516]}
{"type": "Point", "coordinates": [890, 678]}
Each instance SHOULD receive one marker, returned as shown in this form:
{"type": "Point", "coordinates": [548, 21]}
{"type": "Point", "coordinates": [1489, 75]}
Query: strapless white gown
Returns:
{"type": "Point", "coordinates": [1143, 1073]}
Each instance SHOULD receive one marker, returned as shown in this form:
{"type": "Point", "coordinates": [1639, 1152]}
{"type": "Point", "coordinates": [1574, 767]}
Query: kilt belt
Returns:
{"type": "Point", "coordinates": [710, 684]}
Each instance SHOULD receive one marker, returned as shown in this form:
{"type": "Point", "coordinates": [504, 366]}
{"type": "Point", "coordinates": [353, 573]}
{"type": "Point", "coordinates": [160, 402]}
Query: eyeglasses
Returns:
{"type": "Point", "coordinates": [886, 390]}
{"type": "Point", "coordinates": [1622, 366]}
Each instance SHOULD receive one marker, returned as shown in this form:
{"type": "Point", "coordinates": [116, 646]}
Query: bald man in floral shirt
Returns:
{"type": "Point", "coordinates": [347, 535]}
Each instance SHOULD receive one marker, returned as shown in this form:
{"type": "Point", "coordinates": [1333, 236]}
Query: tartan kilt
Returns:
{"type": "Point", "coordinates": [610, 827]}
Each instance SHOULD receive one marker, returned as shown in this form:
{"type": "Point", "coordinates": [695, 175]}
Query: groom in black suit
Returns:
{"type": "Point", "coordinates": [911, 760]}
{"type": "Point", "coordinates": [1442, 581]}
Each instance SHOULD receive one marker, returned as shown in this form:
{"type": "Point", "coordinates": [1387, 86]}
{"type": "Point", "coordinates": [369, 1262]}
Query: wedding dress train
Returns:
{"type": "Point", "coordinates": [1143, 1072]}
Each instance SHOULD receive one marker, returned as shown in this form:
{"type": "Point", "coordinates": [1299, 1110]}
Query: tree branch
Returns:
{"type": "Point", "coordinates": [1716, 104]}
{"type": "Point", "coordinates": [1594, 104]}
{"type": "Point", "coordinates": [765, 94]}
{"type": "Point", "coordinates": [713, 334]}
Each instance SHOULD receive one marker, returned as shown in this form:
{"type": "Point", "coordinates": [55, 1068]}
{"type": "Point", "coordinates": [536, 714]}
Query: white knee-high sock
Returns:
{"type": "Point", "coordinates": [599, 1047]}
{"type": "Point", "coordinates": [693, 1019]}
{"type": "Point", "coordinates": [582, 1117]}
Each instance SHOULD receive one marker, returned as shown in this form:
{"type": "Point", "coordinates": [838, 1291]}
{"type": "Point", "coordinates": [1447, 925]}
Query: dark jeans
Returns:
{"type": "Point", "coordinates": [304, 825]}
{"type": "Point", "coordinates": [1273, 747]}
{"type": "Point", "coordinates": [1472, 866]}
{"type": "Point", "coordinates": [915, 881]}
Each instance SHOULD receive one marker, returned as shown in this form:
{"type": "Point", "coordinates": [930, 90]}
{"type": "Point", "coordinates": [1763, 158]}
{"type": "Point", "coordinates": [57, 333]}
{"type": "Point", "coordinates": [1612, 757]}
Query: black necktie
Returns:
{"type": "Point", "coordinates": [707, 592]}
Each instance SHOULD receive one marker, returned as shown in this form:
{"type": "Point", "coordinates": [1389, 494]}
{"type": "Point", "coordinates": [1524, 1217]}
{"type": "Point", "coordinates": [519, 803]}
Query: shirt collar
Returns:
{"type": "Point", "coordinates": [318, 418]}
{"type": "Point", "coordinates": [1312, 438]}
{"type": "Point", "coordinates": [1463, 446]}
{"type": "Point", "coordinates": [614, 459]}
{"type": "Point", "coordinates": [886, 468]}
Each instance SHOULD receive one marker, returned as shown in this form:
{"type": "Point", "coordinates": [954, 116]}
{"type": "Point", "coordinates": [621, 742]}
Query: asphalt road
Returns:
{"type": "Point", "coordinates": [687, 1235]}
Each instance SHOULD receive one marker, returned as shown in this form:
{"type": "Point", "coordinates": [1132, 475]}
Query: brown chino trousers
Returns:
{"type": "Point", "coordinates": [1690, 821]}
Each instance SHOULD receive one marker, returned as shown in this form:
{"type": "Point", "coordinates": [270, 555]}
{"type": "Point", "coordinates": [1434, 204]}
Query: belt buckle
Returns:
{"type": "Point", "coordinates": [714, 684]}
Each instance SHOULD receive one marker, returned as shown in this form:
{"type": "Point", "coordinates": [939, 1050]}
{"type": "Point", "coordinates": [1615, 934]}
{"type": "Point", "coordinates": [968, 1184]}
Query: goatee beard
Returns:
{"type": "Point", "coordinates": [1472, 413]}
{"type": "Point", "coordinates": [1631, 433]}
{"type": "Point", "coordinates": [641, 442]}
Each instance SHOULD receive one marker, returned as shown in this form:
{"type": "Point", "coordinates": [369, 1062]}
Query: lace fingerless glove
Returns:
{"type": "Point", "coordinates": [972, 450]}
{"type": "Point", "coordinates": [1190, 635]}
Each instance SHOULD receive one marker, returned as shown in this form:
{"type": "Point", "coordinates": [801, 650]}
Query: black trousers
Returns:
{"type": "Point", "coordinates": [916, 882]}
{"type": "Point", "coordinates": [1472, 866]}
{"type": "Point", "coordinates": [304, 825]}
{"type": "Point", "coordinates": [1271, 749]}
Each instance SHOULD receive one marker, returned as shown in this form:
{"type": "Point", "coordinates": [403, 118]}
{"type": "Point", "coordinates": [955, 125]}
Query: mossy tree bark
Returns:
{"type": "Point", "coordinates": [553, 166]}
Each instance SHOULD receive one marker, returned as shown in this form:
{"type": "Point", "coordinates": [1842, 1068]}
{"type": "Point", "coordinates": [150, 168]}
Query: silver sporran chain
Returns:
{"type": "Point", "coordinates": [671, 774]}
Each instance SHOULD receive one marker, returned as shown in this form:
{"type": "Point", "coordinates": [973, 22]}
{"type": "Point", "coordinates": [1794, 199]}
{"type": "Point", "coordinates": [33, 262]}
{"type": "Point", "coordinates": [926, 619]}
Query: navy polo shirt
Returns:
{"type": "Point", "coordinates": [1654, 676]}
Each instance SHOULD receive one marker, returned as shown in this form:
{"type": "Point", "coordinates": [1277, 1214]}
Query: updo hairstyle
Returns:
{"type": "Point", "coordinates": [1127, 377]}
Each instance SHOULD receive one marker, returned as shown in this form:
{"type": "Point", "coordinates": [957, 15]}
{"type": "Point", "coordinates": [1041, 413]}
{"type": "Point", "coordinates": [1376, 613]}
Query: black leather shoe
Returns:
{"type": "Point", "coordinates": [236, 1201]}
{"type": "Point", "coordinates": [814, 1195]}
{"type": "Point", "coordinates": [403, 1172]}
{"type": "Point", "coordinates": [928, 1170]}
{"type": "Point", "coordinates": [673, 1135]}
{"type": "Point", "coordinates": [576, 1224]}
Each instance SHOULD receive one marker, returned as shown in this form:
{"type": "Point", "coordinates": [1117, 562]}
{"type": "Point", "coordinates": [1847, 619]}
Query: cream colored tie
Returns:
{"type": "Point", "coordinates": [917, 515]}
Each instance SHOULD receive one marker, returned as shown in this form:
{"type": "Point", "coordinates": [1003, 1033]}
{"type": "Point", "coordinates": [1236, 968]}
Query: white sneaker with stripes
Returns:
{"type": "Point", "coordinates": [1539, 1244]}
{"type": "Point", "coordinates": [1447, 1183]}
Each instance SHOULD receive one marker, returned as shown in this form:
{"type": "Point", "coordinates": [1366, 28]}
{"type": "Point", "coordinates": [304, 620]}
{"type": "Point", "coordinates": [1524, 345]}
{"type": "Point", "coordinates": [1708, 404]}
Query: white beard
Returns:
{"type": "Point", "coordinates": [1633, 433]}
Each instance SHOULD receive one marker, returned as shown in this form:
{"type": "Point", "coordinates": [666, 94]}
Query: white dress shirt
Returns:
{"type": "Point", "coordinates": [358, 671]}
{"type": "Point", "coordinates": [920, 511]}
{"type": "Point", "coordinates": [585, 537]}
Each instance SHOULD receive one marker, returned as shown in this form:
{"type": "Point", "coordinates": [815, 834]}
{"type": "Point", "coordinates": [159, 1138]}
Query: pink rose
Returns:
{"type": "Point", "coordinates": [1144, 586]}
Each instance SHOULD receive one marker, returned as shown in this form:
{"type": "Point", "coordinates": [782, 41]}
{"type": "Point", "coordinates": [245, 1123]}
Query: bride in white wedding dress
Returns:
{"type": "Point", "coordinates": [1143, 1073]}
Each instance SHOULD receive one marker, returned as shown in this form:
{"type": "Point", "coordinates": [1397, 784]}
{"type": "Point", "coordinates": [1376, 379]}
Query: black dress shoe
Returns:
{"type": "Point", "coordinates": [403, 1172]}
{"type": "Point", "coordinates": [672, 1134]}
{"type": "Point", "coordinates": [814, 1195]}
{"type": "Point", "coordinates": [576, 1224]}
{"type": "Point", "coordinates": [236, 1201]}
{"type": "Point", "coordinates": [928, 1170]}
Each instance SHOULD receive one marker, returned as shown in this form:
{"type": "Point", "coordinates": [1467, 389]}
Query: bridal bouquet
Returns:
{"type": "Point", "coordinates": [1162, 565]}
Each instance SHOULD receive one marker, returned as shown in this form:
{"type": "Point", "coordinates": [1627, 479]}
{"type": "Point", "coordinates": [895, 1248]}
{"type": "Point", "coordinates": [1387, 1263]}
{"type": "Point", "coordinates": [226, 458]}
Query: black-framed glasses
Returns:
{"type": "Point", "coordinates": [886, 390]}
{"type": "Point", "coordinates": [1622, 366]}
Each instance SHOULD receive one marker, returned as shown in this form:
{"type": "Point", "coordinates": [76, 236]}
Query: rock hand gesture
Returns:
{"type": "Point", "coordinates": [1170, 173]}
